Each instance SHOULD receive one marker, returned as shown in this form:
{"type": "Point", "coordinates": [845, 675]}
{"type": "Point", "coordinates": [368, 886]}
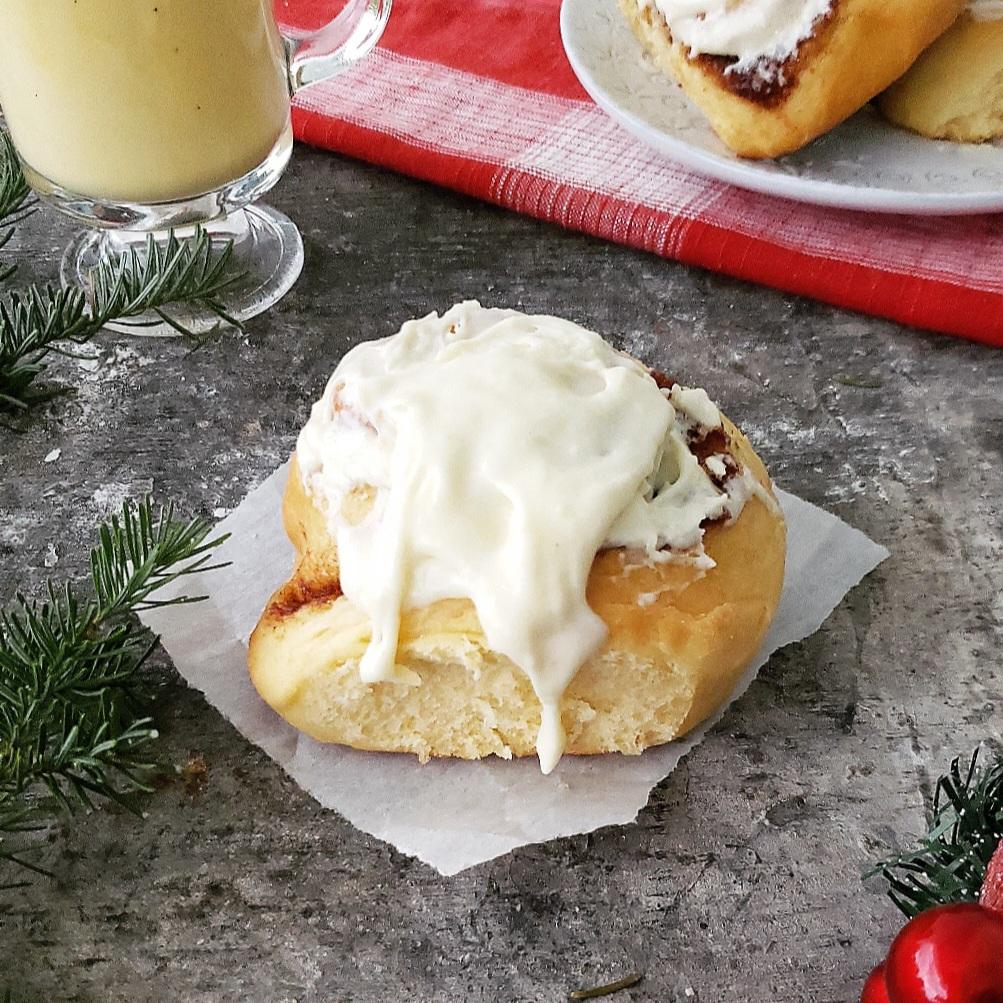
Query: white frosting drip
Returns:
{"type": "Point", "coordinates": [695, 403]}
{"type": "Point", "coordinates": [749, 30]}
{"type": "Point", "coordinates": [986, 10]}
{"type": "Point", "coordinates": [505, 451]}
{"type": "Point", "coordinates": [717, 466]}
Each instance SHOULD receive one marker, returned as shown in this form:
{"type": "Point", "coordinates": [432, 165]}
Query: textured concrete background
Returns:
{"type": "Point", "coordinates": [741, 879]}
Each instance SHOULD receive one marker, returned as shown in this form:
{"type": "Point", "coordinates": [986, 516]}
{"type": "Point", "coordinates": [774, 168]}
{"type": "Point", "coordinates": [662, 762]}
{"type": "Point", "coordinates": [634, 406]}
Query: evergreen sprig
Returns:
{"type": "Point", "coordinates": [951, 861]}
{"type": "Point", "coordinates": [72, 699]}
{"type": "Point", "coordinates": [16, 203]}
{"type": "Point", "coordinates": [41, 319]}
{"type": "Point", "coordinates": [15, 195]}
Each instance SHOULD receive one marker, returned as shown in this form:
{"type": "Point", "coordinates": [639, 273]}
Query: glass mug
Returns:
{"type": "Point", "coordinates": [136, 116]}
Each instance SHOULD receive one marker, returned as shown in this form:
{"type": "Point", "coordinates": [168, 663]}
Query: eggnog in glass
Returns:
{"type": "Point", "coordinates": [139, 116]}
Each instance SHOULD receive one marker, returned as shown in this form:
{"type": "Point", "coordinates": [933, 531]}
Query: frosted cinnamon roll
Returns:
{"type": "Point", "coordinates": [514, 539]}
{"type": "Point", "coordinates": [955, 89]}
{"type": "Point", "coordinates": [771, 75]}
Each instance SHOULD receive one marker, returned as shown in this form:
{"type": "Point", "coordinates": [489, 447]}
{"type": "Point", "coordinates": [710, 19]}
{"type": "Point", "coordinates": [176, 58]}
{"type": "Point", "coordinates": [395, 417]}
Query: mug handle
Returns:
{"type": "Point", "coordinates": [321, 54]}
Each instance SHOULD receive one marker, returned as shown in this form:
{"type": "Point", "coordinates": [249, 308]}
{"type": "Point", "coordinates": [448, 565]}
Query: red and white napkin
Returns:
{"type": "Point", "coordinates": [478, 96]}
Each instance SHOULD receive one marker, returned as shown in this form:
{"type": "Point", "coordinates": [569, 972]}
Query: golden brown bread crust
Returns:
{"type": "Point", "coordinates": [665, 667]}
{"type": "Point", "coordinates": [955, 89]}
{"type": "Point", "coordinates": [855, 54]}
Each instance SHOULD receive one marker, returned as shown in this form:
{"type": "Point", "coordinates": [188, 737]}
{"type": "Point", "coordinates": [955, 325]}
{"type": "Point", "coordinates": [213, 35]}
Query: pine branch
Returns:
{"type": "Point", "coordinates": [16, 203]}
{"type": "Point", "coordinates": [33, 323]}
{"type": "Point", "coordinates": [30, 325]}
{"type": "Point", "coordinates": [72, 697]}
{"type": "Point", "coordinates": [951, 861]}
{"type": "Point", "coordinates": [41, 320]}
{"type": "Point", "coordinates": [15, 195]}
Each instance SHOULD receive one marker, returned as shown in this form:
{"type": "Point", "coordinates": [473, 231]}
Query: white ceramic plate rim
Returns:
{"type": "Point", "coordinates": [746, 174]}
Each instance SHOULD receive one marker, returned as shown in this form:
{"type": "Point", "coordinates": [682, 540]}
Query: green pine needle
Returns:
{"type": "Point", "coordinates": [15, 195]}
{"type": "Point", "coordinates": [41, 320]}
{"type": "Point", "coordinates": [73, 727]}
{"type": "Point", "coordinates": [16, 203]}
{"type": "Point", "coordinates": [951, 861]}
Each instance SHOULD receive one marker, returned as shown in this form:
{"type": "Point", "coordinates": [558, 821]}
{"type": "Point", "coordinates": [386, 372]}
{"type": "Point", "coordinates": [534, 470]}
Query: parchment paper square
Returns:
{"type": "Point", "coordinates": [448, 813]}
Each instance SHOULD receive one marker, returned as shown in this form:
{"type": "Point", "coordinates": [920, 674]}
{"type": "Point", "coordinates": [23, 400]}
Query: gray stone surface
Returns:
{"type": "Point", "coordinates": [741, 879]}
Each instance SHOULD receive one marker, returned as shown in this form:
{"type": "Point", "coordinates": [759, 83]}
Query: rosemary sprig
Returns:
{"type": "Point", "coordinates": [41, 319]}
{"type": "Point", "coordinates": [951, 861]}
{"type": "Point", "coordinates": [72, 698]}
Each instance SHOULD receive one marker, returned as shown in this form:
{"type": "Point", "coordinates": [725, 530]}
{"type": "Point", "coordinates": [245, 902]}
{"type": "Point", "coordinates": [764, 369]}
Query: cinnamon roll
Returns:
{"type": "Point", "coordinates": [511, 539]}
{"type": "Point", "coordinates": [955, 89]}
{"type": "Point", "coordinates": [771, 75]}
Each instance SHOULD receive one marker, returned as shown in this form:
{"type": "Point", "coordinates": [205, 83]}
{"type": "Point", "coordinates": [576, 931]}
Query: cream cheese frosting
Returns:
{"type": "Point", "coordinates": [505, 451]}
{"type": "Point", "coordinates": [986, 10]}
{"type": "Point", "coordinates": [748, 30]}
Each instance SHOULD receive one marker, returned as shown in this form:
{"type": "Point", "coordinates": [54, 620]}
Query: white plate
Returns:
{"type": "Point", "coordinates": [863, 164]}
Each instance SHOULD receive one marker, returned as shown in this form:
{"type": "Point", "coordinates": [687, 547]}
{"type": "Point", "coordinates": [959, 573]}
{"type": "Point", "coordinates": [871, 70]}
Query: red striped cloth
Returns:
{"type": "Point", "coordinates": [477, 95]}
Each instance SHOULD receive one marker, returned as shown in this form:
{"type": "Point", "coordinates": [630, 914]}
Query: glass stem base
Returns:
{"type": "Point", "coordinates": [266, 261]}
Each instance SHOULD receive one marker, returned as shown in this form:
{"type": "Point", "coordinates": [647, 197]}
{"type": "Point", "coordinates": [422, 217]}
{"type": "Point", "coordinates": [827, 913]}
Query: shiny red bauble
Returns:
{"type": "Point", "coordinates": [950, 954]}
{"type": "Point", "coordinates": [875, 988]}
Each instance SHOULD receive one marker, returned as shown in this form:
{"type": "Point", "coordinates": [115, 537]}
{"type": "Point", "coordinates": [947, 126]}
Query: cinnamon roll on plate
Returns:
{"type": "Point", "coordinates": [955, 89]}
{"type": "Point", "coordinates": [771, 75]}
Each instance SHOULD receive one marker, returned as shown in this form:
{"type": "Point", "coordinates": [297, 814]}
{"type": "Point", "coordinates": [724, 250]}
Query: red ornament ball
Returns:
{"type": "Point", "coordinates": [950, 954]}
{"type": "Point", "coordinates": [875, 988]}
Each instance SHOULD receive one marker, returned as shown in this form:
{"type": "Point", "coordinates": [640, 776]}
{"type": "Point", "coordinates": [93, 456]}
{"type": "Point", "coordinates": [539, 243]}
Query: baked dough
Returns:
{"type": "Point", "coordinates": [955, 89]}
{"type": "Point", "coordinates": [678, 641]}
{"type": "Point", "coordinates": [853, 55]}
